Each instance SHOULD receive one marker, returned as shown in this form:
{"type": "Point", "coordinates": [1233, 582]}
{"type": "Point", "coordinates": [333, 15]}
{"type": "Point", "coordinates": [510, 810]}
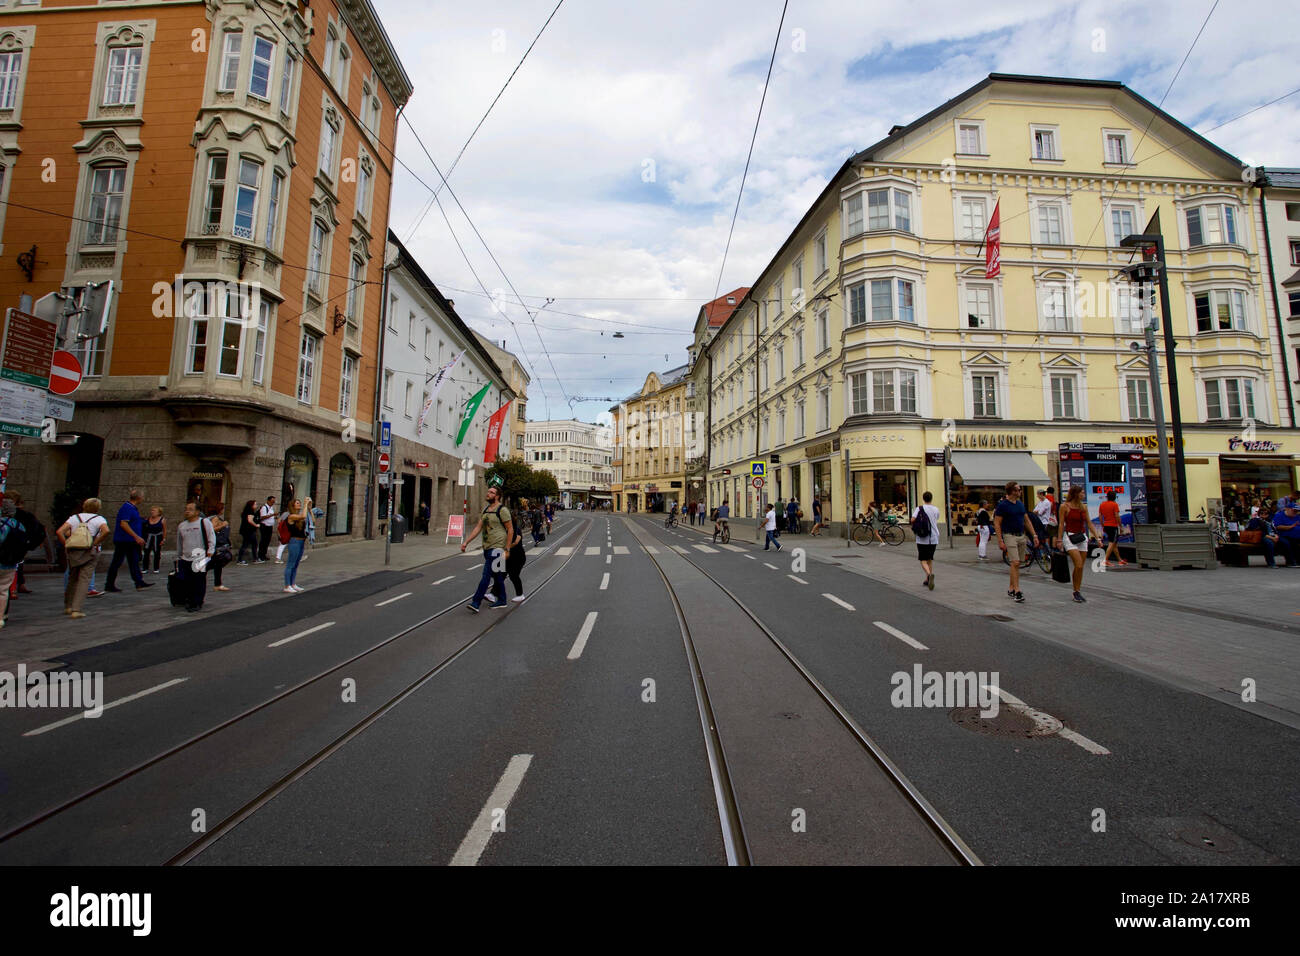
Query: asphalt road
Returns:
{"type": "Point", "coordinates": [566, 728]}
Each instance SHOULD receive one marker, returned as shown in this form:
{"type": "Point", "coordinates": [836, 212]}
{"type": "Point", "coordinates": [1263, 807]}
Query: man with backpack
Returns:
{"type": "Point", "coordinates": [195, 543]}
{"type": "Point", "coordinates": [925, 526]}
{"type": "Point", "coordinates": [266, 523]}
{"type": "Point", "coordinates": [495, 525]}
{"type": "Point", "coordinates": [13, 548]}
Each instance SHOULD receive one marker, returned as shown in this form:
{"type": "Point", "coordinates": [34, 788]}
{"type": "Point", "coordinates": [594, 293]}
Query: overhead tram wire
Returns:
{"type": "Point", "coordinates": [754, 138]}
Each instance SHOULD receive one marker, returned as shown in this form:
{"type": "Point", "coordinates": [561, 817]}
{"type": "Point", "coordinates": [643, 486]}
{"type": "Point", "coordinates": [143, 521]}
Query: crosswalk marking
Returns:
{"type": "Point", "coordinates": [732, 547]}
{"type": "Point", "coordinates": [592, 550]}
{"type": "Point", "coordinates": [706, 549]}
{"type": "Point", "coordinates": [650, 549]}
{"type": "Point", "coordinates": [679, 549]}
{"type": "Point", "coordinates": [563, 551]}
{"type": "Point", "coordinates": [620, 549]}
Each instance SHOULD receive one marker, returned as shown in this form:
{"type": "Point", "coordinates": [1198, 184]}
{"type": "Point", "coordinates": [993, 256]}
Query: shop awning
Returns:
{"type": "Point", "coordinates": [998, 467]}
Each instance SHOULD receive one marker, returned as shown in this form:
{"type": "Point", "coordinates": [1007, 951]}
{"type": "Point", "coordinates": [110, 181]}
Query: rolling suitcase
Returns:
{"type": "Point", "coordinates": [1060, 567]}
{"type": "Point", "coordinates": [175, 588]}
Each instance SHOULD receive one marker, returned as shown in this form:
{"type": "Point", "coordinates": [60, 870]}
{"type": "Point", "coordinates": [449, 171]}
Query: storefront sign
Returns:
{"type": "Point", "coordinates": [816, 451]}
{"type": "Point", "coordinates": [934, 458]}
{"type": "Point", "coordinates": [1239, 444]}
{"type": "Point", "coordinates": [989, 440]}
{"type": "Point", "coordinates": [134, 454]}
{"type": "Point", "coordinates": [874, 438]}
{"type": "Point", "coordinates": [1149, 442]}
{"type": "Point", "coordinates": [265, 462]}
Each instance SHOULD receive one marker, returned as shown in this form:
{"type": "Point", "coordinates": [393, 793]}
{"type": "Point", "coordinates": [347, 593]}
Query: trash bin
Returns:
{"type": "Point", "coordinates": [399, 529]}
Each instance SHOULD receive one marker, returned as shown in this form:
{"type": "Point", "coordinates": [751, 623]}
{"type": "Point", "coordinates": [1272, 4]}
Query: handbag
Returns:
{"type": "Point", "coordinates": [1078, 537]}
{"type": "Point", "coordinates": [1250, 537]}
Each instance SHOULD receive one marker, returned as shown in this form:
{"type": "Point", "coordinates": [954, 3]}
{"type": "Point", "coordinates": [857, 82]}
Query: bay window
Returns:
{"type": "Point", "coordinates": [1229, 399]}
{"type": "Point", "coordinates": [883, 392]}
{"type": "Point", "coordinates": [250, 178]}
{"type": "Point", "coordinates": [1221, 310]}
{"type": "Point", "coordinates": [273, 208]}
{"type": "Point", "coordinates": [259, 75]}
{"type": "Point", "coordinates": [1213, 224]}
{"type": "Point", "coordinates": [215, 194]}
{"type": "Point", "coordinates": [878, 212]}
{"type": "Point", "coordinates": [259, 341]}
{"type": "Point", "coordinates": [229, 78]}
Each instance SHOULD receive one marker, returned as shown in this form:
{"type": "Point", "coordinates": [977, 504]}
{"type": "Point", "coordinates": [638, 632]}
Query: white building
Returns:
{"type": "Point", "coordinates": [423, 334]}
{"type": "Point", "coordinates": [1279, 225]}
{"type": "Point", "coordinates": [579, 454]}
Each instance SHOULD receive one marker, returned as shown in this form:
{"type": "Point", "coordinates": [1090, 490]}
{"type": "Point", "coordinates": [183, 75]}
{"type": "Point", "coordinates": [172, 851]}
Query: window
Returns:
{"type": "Point", "coordinates": [1051, 224]}
{"type": "Point", "coordinates": [122, 79]}
{"type": "Point", "coordinates": [216, 194]}
{"type": "Point", "coordinates": [11, 70]}
{"type": "Point", "coordinates": [428, 345]}
{"type": "Point", "coordinates": [1223, 310]}
{"type": "Point", "coordinates": [823, 330]}
{"type": "Point", "coordinates": [316, 256]}
{"type": "Point", "coordinates": [1293, 300]}
{"type": "Point", "coordinates": [1055, 299]}
{"type": "Point", "coordinates": [1295, 252]}
{"type": "Point", "coordinates": [979, 306]}
{"type": "Point", "coordinates": [259, 76]}
{"type": "Point", "coordinates": [197, 307]}
{"type": "Point", "coordinates": [388, 390]}
{"type": "Point", "coordinates": [259, 341]}
{"type": "Point", "coordinates": [307, 367]}
{"type": "Point", "coordinates": [347, 382]}
{"type": "Point", "coordinates": [819, 254]}
{"type": "Point", "coordinates": [882, 303]}
{"type": "Point", "coordinates": [250, 177]}
{"type": "Point", "coordinates": [779, 298]}
{"type": "Point", "coordinates": [858, 303]}
{"type": "Point", "coordinates": [853, 215]}
{"type": "Point", "coordinates": [1063, 396]}
{"type": "Point", "coordinates": [1137, 391]}
{"type": "Point", "coordinates": [409, 405]}
{"type": "Point", "coordinates": [906, 300]}
{"type": "Point", "coordinates": [286, 83]}
{"type": "Point", "coordinates": [1215, 224]}
{"type": "Point", "coordinates": [1117, 148]}
{"type": "Point", "coordinates": [878, 209]}
{"type": "Point", "coordinates": [974, 219]}
{"type": "Point", "coordinates": [328, 144]}
{"type": "Point", "coordinates": [273, 208]}
{"type": "Point", "coordinates": [969, 139]}
{"type": "Point", "coordinates": [363, 188]}
{"type": "Point", "coordinates": [230, 63]}
{"type": "Point", "coordinates": [107, 187]}
{"type": "Point", "coordinates": [780, 358]}
{"type": "Point", "coordinates": [796, 292]}
{"type": "Point", "coordinates": [1122, 223]}
{"type": "Point", "coordinates": [1229, 399]}
{"type": "Point", "coordinates": [331, 51]}
{"type": "Point", "coordinates": [798, 420]}
{"type": "Point", "coordinates": [1128, 309]}
{"type": "Point", "coordinates": [232, 333]}
{"type": "Point", "coordinates": [823, 408]}
{"type": "Point", "coordinates": [410, 329]}
{"type": "Point", "coordinates": [1045, 144]}
{"type": "Point", "coordinates": [798, 347]}
{"type": "Point", "coordinates": [887, 391]}
{"type": "Point", "coordinates": [356, 274]}
{"type": "Point", "coordinates": [1293, 211]}
{"type": "Point", "coordinates": [984, 392]}
{"type": "Point", "coordinates": [340, 75]}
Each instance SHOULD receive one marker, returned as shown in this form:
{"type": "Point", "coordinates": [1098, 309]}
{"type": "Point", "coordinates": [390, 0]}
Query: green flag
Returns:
{"type": "Point", "coordinates": [470, 408]}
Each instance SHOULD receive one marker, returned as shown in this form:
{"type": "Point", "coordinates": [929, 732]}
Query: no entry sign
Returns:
{"type": "Point", "coordinates": [383, 462]}
{"type": "Point", "coordinates": [65, 373]}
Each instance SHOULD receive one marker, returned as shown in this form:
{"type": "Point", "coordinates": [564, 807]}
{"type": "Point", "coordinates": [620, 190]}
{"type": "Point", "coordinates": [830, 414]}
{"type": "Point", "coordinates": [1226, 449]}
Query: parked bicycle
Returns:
{"type": "Point", "coordinates": [887, 529]}
{"type": "Point", "coordinates": [1218, 526]}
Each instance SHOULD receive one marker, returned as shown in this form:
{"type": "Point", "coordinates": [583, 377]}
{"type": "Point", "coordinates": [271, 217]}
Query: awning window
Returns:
{"type": "Point", "coordinates": [998, 467]}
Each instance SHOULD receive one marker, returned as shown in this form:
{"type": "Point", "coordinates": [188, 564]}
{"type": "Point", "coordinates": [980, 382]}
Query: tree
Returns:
{"type": "Point", "coordinates": [520, 480]}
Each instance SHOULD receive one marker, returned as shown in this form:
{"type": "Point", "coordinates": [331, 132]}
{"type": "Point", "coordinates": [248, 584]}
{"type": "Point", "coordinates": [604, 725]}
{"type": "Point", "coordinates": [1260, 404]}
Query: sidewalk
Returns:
{"type": "Point", "coordinates": [1205, 631]}
{"type": "Point", "coordinates": [38, 630]}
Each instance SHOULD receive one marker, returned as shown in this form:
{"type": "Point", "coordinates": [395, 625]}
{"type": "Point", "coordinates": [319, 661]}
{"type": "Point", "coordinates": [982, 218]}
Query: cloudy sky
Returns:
{"type": "Point", "coordinates": [606, 176]}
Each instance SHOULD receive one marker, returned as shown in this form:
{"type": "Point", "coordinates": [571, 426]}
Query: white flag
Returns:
{"type": "Point", "coordinates": [439, 377]}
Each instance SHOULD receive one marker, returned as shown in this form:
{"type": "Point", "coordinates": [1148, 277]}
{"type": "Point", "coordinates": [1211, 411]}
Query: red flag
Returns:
{"type": "Point", "coordinates": [495, 424]}
{"type": "Point", "coordinates": [993, 245]}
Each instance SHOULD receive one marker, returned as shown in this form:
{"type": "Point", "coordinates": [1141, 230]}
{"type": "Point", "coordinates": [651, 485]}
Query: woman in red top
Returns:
{"type": "Point", "coordinates": [1074, 534]}
{"type": "Point", "coordinates": [1108, 511]}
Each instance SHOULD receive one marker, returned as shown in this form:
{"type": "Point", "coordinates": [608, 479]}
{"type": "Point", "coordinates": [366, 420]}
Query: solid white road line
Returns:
{"type": "Point", "coordinates": [442, 580]}
{"type": "Point", "coordinates": [604, 582]}
{"type": "Point", "coordinates": [1045, 719]}
{"type": "Point", "coordinates": [476, 840]}
{"type": "Point", "coordinates": [620, 549]}
{"type": "Point", "coordinates": [706, 549]}
{"type": "Point", "coordinates": [751, 557]}
{"type": "Point", "coordinates": [311, 630]}
{"type": "Point", "coordinates": [131, 697]}
{"type": "Point", "coordinates": [900, 635]}
{"type": "Point", "coordinates": [576, 650]}
{"type": "Point", "coordinates": [592, 550]}
{"type": "Point", "coordinates": [392, 599]}
{"type": "Point", "coordinates": [844, 604]}
{"type": "Point", "coordinates": [793, 578]}
{"type": "Point", "coordinates": [563, 552]}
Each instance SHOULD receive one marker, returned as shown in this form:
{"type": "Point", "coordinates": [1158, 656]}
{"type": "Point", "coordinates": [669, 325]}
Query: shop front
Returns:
{"type": "Point", "coordinates": [338, 507]}
{"type": "Point", "coordinates": [207, 489]}
{"type": "Point", "coordinates": [982, 464]}
{"type": "Point", "coordinates": [299, 475]}
{"type": "Point", "coordinates": [884, 470]}
{"type": "Point", "coordinates": [1253, 471]}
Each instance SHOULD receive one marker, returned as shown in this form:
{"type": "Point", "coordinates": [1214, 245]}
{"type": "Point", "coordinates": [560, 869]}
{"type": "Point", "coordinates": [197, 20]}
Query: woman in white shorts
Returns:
{"type": "Point", "coordinates": [1075, 528]}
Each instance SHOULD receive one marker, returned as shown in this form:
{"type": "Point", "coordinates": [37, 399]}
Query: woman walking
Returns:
{"type": "Point", "coordinates": [515, 559]}
{"type": "Point", "coordinates": [81, 534]}
{"type": "Point", "coordinates": [927, 536]}
{"type": "Point", "coordinates": [248, 530]}
{"type": "Point", "coordinates": [817, 526]}
{"type": "Point", "coordinates": [155, 530]}
{"type": "Point", "coordinates": [1074, 533]}
{"type": "Point", "coordinates": [297, 518]}
{"type": "Point", "coordinates": [221, 556]}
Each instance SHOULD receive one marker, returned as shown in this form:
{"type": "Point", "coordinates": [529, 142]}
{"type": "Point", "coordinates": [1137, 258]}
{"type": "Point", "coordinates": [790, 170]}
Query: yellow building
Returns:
{"type": "Point", "coordinates": [873, 340]}
{"type": "Point", "coordinates": [651, 428]}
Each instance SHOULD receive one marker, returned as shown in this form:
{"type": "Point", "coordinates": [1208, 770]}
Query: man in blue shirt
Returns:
{"type": "Point", "coordinates": [127, 542]}
{"type": "Point", "coordinates": [1287, 525]}
{"type": "Point", "coordinates": [724, 513]}
{"type": "Point", "coordinates": [1011, 528]}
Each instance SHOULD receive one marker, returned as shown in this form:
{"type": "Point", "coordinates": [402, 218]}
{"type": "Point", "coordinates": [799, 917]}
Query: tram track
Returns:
{"type": "Point", "coordinates": [736, 841]}
{"type": "Point", "coordinates": [231, 820]}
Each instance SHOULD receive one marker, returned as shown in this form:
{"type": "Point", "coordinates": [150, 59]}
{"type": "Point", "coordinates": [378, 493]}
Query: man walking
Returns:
{"type": "Point", "coordinates": [195, 544]}
{"type": "Point", "coordinates": [498, 532]}
{"type": "Point", "coordinates": [266, 524]}
{"type": "Point", "coordinates": [769, 525]}
{"type": "Point", "coordinates": [1108, 511]}
{"type": "Point", "coordinates": [1046, 514]}
{"type": "Point", "coordinates": [127, 542]}
{"type": "Point", "coordinates": [792, 515]}
{"type": "Point", "coordinates": [1011, 528]}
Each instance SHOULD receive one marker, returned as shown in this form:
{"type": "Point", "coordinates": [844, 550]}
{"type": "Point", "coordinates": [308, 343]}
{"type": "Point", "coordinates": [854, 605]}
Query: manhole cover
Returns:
{"type": "Point", "coordinates": [999, 617]}
{"type": "Point", "coordinates": [1007, 723]}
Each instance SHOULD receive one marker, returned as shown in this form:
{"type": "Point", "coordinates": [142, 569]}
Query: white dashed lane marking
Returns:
{"type": "Point", "coordinates": [310, 630]}
{"type": "Point", "coordinates": [476, 840]}
{"type": "Point", "coordinates": [732, 547]}
{"type": "Point", "coordinates": [1047, 722]}
{"type": "Point", "coordinates": [442, 580]}
{"type": "Point", "coordinates": [75, 717]}
{"type": "Point", "coordinates": [793, 578]}
{"type": "Point", "coordinates": [604, 582]}
{"type": "Point", "coordinates": [844, 604]}
{"type": "Point", "coordinates": [576, 651]}
{"type": "Point", "coordinates": [772, 566]}
{"type": "Point", "coordinates": [900, 635]}
{"type": "Point", "coordinates": [392, 599]}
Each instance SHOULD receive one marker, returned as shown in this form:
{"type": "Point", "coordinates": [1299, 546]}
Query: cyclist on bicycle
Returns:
{"type": "Point", "coordinates": [873, 521]}
{"type": "Point", "coordinates": [720, 522]}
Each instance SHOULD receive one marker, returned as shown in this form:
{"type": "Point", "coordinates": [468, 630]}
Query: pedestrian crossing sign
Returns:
{"type": "Point", "coordinates": [758, 469]}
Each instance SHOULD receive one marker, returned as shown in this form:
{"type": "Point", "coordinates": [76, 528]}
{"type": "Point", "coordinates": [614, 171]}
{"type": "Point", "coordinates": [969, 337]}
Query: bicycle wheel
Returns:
{"type": "Point", "coordinates": [892, 534]}
{"type": "Point", "coordinates": [726, 534]}
{"type": "Point", "coordinates": [860, 534]}
{"type": "Point", "coordinates": [1044, 557]}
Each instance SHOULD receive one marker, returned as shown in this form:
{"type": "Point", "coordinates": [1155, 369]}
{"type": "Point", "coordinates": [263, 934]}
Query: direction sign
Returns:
{"type": "Point", "coordinates": [383, 462]}
{"type": "Point", "coordinates": [383, 477]}
{"type": "Point", "coordinates": [758, 469]}
{"type": "Point", "coordinates": [25, 372]}
{"type": "Point", "coordinates": [65, 373]}
{"type": "Point", "coordinates": [60, 409]}
{"type": "Point", "coordinates": [385, 434]}
{"type": "Point", "coordinates": [757, 483]}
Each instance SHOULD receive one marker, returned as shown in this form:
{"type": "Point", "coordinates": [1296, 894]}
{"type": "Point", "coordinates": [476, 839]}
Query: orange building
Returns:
{"type": "Point", "coordinates": [200, 192]}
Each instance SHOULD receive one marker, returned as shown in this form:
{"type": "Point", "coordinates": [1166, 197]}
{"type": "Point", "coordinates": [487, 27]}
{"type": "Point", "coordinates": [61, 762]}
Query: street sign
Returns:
{"type": "Point", "coordinates": [60, 409]}
{"type": "Point", "coordinates": [383, 462]}
{"type": "Point", "coordinates": [65, 373]}
{"type": "Point", "coordinates": [465, 477]}
{"type": "Point", "coordinates": [25, 372]}
{"type": "Point", "coordinates": [758, 469]}
{"type": "Point", "coordinates": [383, 478]}
{"type": "Point", "coordinates": [421, 464]}
{"type": "Point", "coordinates": [757, 483]}
{"type": "Point", "coordinates": [385, 434]}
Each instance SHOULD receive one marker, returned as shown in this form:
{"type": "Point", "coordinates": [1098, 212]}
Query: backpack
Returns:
{"type": "Point", "coordinates": [13, 542]}
{"type": "Point", "coordinates": [80, 539]}
{"type": "Point", "coordinates": [283, 530]}
{"type": "Point", "coordinates": [921, 523]}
